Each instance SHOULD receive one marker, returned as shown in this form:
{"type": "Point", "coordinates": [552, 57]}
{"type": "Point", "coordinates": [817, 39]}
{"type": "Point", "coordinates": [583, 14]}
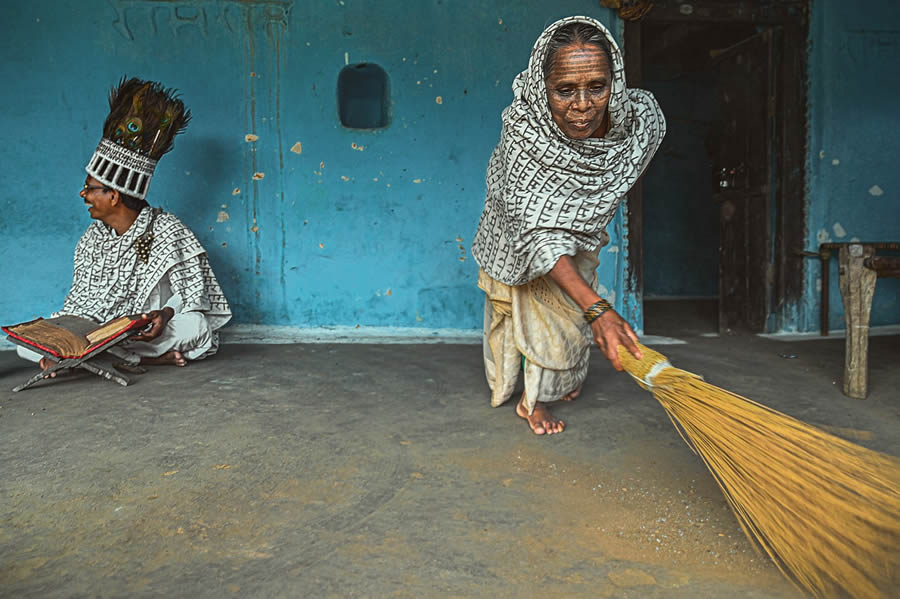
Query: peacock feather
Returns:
{"type": "Point", "coordinates": [144, 117]}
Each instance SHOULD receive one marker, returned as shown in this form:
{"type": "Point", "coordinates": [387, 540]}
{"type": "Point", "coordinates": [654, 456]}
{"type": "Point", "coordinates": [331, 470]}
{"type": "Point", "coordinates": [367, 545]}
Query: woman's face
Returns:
{"type": "Point", "coordinates": [578, 89]}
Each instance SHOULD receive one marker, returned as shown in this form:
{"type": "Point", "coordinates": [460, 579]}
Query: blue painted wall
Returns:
{"type": "Point", "coordinates": [365, 227]}
{"type": "Point", "coordinates": [350, 227]}
{"type": "Point", "coordinates": [854, 180]}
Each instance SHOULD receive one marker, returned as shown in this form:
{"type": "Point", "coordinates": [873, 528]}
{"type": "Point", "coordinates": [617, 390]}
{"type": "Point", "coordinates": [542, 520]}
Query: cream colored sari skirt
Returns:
{"type": "Point", "coordinates": [539, 321]}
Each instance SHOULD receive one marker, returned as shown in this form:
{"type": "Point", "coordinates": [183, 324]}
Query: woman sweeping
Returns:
{"type": "Point", "coordinates": [574, 141]}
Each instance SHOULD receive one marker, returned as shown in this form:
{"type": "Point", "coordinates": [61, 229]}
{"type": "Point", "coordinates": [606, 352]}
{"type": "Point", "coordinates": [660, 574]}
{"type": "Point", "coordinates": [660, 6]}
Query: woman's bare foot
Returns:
{"type": "Point", "coordinates": [172, 357]}
{"type": "Point", "coordinates": [541, 420]}
{"type": "Point", "coordinates": [573, 395]}
{"type": "Point", "coordinates": [46, 363]}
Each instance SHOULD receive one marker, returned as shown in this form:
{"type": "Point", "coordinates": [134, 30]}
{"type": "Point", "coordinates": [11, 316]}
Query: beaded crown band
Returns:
{"type": "Point", "coordinates": [121, 169]}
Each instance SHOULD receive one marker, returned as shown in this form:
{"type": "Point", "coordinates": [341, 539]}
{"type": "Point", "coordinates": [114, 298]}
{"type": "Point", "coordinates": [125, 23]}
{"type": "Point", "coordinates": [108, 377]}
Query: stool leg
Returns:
{"type": "Point", "coordinates": [61, 365]}
{"type": "Point", "coordinates": [857, 285]}
{"type": "Point", "coordinates": [102, 366]}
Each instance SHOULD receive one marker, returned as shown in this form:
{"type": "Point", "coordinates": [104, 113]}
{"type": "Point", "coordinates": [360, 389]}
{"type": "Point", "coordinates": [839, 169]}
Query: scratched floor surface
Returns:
{"type": "Point", "coordinates": [380, 471]}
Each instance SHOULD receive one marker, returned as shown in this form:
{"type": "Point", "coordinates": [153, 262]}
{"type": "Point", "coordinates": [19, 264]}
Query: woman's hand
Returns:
{"type": "Point", "coordinates": [158, 321]}
{"type": "Point", "coordinates": [610, 331]}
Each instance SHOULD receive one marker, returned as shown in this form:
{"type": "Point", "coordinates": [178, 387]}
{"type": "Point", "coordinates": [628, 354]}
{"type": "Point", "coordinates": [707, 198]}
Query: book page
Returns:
{"type": "Point", "coordinates": [60, 335]}
{"type": "Point", "coordinates": [109, 329]}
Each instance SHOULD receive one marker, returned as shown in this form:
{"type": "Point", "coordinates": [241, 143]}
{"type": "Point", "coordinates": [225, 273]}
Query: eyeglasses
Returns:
{"type": "Point", "coordinates": [88, 187]}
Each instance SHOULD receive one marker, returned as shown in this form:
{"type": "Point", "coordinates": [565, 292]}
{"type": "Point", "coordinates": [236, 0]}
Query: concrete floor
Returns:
{"type": "Point", "coordinates": [381, 471]}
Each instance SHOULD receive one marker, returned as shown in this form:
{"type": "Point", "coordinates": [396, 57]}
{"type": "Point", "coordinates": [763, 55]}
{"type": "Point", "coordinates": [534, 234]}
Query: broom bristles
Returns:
{"type": "Point", "coordinates": [825, 510]}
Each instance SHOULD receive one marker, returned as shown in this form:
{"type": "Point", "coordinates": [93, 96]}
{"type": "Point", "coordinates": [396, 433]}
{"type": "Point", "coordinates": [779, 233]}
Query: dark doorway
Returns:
{"type": "Point", "coordinates": [716, 225]}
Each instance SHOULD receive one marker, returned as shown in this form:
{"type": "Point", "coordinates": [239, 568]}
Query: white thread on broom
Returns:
{"type": "Point", "coordinates": [651, 374]}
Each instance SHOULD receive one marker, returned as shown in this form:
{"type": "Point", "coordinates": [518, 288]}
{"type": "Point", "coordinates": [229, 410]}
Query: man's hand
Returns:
{"type": "Point", "coordinates": [158, 321]}
{"type": "Point", "coordinates": [610, 331]}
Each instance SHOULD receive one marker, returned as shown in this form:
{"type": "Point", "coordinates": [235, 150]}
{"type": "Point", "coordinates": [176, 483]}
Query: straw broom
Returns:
{"type": "Point", "coordinates": [825, 510]}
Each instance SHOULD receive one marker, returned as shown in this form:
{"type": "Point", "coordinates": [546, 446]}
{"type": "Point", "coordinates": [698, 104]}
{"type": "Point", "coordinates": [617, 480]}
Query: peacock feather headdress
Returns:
{"type": "Point", "coordinates": [144, 118]}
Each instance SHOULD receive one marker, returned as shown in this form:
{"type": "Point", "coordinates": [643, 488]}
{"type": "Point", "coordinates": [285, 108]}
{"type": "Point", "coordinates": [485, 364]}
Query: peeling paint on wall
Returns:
{"type": "Point", "coordinates": [839, 230]}
{"type": "Point", "coordinates": [822, 236]}
{"type": "Point", "coordinates": [250, 137]}
{"type": "Point", "coordinates": [258, 176]}
{"type": "Point", "coordinates": [297, 148]}
{"type": "Point", "coordinates": [222, 217]}
{"type": "Point", "coordinates": [876, 191]}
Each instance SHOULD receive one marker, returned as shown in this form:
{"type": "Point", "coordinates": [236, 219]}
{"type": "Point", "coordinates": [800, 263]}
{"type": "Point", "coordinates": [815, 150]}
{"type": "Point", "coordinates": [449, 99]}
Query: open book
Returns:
{"type": "Point", "coordinates": [71, 336]}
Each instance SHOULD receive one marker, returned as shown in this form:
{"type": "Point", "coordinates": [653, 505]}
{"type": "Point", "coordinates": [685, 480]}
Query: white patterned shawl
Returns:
{"type": "Point", "coordinates": [549, 195]}
{"type": "Point", "coordinates": [111, 281]}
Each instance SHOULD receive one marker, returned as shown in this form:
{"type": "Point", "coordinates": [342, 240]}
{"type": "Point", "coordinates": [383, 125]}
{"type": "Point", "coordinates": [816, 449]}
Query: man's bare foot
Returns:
{"type": "Point", "coordinates": [46, 363]}
{"type": "Point", "coordinates": [172, 357]}
{"type": "Point", "coordinates": [573, 395]}
{"type": "Point", "coordinates": [541, 420]}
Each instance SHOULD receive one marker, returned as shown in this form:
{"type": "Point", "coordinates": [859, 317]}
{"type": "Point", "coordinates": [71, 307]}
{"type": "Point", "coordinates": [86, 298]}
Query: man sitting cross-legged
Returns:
{"type": "Point", "coordinates": [136, 259]}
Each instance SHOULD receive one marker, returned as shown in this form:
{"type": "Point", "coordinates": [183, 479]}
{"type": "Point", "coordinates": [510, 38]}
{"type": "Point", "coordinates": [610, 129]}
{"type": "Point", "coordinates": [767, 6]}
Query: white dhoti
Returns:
{"type": "Point", "coordinates": [187, 332]}
{"type": "Point", "coordinates": [536, 326]}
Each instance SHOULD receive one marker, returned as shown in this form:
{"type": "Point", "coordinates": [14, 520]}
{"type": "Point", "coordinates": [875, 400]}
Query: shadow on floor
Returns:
{"type": "Point", "coordinates": [681, 317]}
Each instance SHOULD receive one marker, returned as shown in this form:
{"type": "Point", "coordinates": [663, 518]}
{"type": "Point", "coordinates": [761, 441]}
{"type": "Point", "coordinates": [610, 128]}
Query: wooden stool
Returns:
{"type": "Point", "coordinates": [859, 269]}
{"type": "Point", "coordinates": [98, 361]}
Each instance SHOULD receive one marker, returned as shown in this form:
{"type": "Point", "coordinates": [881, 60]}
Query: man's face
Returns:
{"type": "Point", "coordinates": [578, 89]}
{"type": "Point", "coordinates": [98, 199]}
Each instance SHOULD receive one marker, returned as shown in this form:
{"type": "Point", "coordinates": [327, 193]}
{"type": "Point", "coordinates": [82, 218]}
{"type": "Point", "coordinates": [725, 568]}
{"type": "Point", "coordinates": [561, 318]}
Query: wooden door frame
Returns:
{"type": "Point", "coordinates": [790, 136]}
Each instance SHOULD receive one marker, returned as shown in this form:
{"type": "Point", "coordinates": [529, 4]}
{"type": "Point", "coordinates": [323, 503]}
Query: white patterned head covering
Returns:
{"type": "Point", "coordinates": [550, 195]}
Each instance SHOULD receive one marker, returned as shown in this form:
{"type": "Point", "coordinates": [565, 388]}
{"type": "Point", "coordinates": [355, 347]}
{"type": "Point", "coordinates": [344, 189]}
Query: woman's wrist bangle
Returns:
{"type": "Point", "coordinates": [597, 310]}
